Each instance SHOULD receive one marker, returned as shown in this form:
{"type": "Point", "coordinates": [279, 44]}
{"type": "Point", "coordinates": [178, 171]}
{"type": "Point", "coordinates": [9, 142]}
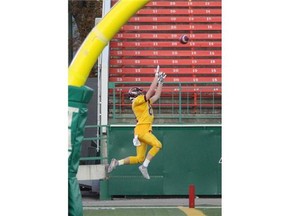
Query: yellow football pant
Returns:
{"type": "Point", "coordinates": [146, 139]}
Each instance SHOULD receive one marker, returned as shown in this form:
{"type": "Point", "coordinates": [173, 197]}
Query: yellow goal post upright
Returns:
{"type": "Point", "coordinates": [99, 37]}
{"type": "Point", "coordinates": [79, 95]}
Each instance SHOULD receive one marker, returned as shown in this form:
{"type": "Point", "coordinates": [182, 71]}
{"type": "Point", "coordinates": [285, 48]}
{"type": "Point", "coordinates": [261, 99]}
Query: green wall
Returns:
{"type": "Point", "coordinates": [190, 155]}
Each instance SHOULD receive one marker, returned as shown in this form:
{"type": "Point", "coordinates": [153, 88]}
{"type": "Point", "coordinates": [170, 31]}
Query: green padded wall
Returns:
{"type": "Point", "coordinates": [190, 155]}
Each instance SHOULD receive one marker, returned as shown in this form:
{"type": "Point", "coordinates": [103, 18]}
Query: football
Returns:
{"type": "Point", "coordinates": [184, 39]}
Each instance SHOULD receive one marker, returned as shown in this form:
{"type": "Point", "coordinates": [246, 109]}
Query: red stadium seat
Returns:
{"type": "Point", "coordinates": [151, 38]}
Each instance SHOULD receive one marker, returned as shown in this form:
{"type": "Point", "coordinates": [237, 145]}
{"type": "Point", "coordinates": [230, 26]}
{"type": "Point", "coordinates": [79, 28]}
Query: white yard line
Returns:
{"type": "Point", "coordinates": [145, 207]}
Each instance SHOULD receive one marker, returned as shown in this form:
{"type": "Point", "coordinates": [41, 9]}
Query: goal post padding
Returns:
{"type": "Point", "coordinates": [78, 99]}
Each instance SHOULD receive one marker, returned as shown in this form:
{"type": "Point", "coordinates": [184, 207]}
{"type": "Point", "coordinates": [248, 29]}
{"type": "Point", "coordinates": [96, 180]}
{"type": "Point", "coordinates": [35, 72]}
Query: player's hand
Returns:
{"type": "Point", "coordinates": [161, 77]}
{"type": "Point", "coordinates": [157, 71]}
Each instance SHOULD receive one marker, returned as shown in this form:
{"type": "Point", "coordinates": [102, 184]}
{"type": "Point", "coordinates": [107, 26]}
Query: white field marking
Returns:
{"type": "Point", "coordinates": [146, 207]}
{"type": "Point", "coordinates": [128, 207]}
{"type": "Point", "coordinates": [170, 125]}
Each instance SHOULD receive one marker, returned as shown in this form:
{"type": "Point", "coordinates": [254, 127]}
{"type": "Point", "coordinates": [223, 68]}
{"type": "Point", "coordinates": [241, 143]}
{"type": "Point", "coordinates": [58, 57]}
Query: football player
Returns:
{"type": "Point", "coordinates": [143, 136]}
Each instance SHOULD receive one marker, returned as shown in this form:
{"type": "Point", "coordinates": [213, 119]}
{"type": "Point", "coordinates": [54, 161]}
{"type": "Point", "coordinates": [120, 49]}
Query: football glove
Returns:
{"type": "Point", "coordinates": [161, 77]}
{"type": "Point", "coordinates": [136, 141]}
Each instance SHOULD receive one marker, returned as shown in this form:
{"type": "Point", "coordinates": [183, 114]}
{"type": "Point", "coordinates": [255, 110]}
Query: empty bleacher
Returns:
{"type": "Point", "coordinates": [192, 89]}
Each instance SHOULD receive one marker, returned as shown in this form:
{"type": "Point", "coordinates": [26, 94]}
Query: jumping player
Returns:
{"type": "Point", "coordinates": [141, 106]}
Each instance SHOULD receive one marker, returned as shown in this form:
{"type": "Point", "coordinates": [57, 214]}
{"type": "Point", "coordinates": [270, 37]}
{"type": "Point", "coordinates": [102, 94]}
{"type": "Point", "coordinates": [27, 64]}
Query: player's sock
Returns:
{"type": "Point", "coordinates": [146, 163]}
{"type": "Point", "coordinates": [120, 162]}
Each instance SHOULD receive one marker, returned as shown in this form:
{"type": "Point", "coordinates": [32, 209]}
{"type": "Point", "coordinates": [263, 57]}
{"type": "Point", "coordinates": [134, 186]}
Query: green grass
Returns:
{"type": "Point", "coordinates": [146, 212]}
{"type": "Point", "coordinates": [134, 212]}
{"type": "Point", "coordinates": [211, 211]}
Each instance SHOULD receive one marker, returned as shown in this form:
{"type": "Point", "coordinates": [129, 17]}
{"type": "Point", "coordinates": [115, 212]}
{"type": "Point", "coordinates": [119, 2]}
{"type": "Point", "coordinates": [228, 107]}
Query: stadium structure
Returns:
{"type": "Point", "coordinates": [187, 117]}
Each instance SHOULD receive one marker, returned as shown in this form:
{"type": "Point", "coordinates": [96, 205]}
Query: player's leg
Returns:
{"type": "Point", "coordinates": [139, 158]}
{"type": "Point", "coordinates": [140, 154]}
{"type": "Point", "coordinates": [151, 140]}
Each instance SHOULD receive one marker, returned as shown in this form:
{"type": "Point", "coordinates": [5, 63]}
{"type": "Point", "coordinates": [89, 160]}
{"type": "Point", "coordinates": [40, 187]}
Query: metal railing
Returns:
{"type": "Point", "coordinates": [180, 102]}
{"type": "Point", "coordinates": [101, 139]}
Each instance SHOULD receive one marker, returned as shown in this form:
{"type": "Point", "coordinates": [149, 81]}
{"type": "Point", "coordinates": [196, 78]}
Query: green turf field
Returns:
{"type": "Point", "coordinates": [211, 211]}
{"type": "Point", "coordinates": [122, 211]}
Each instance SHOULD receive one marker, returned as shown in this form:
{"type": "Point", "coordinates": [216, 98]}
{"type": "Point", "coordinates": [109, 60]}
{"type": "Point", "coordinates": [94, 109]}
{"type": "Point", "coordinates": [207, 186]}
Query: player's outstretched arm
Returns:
{"type": "Point", "coordinates": [160, 81]}
{"type": "Point", "coordinates": [153, 85]}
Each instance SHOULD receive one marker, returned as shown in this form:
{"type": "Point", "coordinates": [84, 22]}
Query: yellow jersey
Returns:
{"type": "Point", "coordinates": [144, 114]}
